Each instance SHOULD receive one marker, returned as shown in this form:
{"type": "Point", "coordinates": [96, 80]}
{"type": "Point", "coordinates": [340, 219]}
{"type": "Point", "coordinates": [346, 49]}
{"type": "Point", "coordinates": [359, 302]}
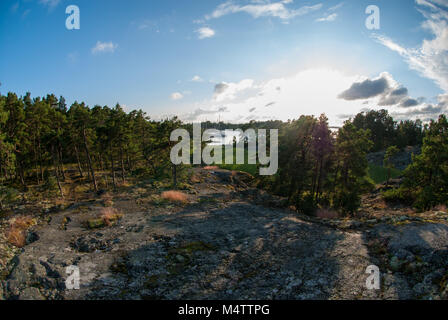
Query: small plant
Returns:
{"type": "Point", "coordinates": [398, 196]}
{"type": "Point", "coordinates": [107, 199]}
{"type": "Point", "coordinates": [108, 217]}
{"type": "Point", "coordinates": [7, 195]}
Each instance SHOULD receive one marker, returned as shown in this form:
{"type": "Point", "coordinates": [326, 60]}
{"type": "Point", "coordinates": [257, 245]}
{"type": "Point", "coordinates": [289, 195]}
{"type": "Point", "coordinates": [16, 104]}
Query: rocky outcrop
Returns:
{"type": "Point", "coordinates": [401, 161]}
{"type": "Point", "coordinates": [242, 245]}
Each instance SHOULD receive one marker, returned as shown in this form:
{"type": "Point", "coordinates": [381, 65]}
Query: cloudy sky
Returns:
{"type": "Point", "coordinates": [237, 60]}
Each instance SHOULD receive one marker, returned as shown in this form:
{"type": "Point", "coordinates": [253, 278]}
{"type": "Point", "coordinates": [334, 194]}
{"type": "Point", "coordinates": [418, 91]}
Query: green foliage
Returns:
{"type": "Point", "coordinates": [427, 176]}
{"type": "Point", "coordinates": [350, 179]}
{"type": "Point", "coordinates": [386, 132]}
{"type": "Point", "coordinates": [249, 168]}
{"type": "Point", "coordinates": [51, 185]}
{"type": "Point", "coordinates": [7, 196]}
{"type": "Point", "coordinates": [399, 195]}
{"type": "Point", "coordinates": [391, 152]}
{"type": "Point", "coordinates": [378, 174]}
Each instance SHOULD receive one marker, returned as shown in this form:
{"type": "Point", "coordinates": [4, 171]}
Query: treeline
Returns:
{"type": "Point", "coordinates": [39, 136]}
{"type": "Point", "coordinates": [384, 130]}
{"type": "Point", "coordinates": [319, 167]}
{"type": "Point", "coordinates": [426, 179]}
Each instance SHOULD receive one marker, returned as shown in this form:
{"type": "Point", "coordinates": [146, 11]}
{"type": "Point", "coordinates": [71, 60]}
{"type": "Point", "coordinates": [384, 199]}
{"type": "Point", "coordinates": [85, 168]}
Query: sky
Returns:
{"type": "Point", "coordinates": [235, 61]}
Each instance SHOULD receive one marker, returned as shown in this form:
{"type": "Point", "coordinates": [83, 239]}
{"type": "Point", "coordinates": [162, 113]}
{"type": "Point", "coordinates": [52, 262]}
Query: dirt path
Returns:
{"type": "Point", "coordinates": [226, 245]}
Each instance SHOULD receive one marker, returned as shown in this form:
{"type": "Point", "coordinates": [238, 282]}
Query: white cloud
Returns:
{"type": "Point", "coordinates": [310, 91]}
{"type": "Point", "coordinates": [328, 18]}
{"type": "Point", "coordinates": [229, 91]}
{"type": "Point", "coordinates": [336, 7]}
{"type": "Point", "coordinates": [176, 96]}
{"type": "Point", "coordinates": [263, 9]}
{"type": "Point", "coordinates": [104, 47]}
{"type": "Point", "coordinates": [197, 79]}
{"type": "Point", "coordinates": [431, 58]}
{"type": "Point", "coordinates": [205, 32]}
{"type": "Point", "coordinates": [49, 3]}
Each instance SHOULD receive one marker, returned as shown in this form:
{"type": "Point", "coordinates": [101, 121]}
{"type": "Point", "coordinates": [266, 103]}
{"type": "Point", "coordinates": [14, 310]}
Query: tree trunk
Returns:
{"type": "Point", "coordinates": [61, 162]}
{"type": "Point", "coordinates": [112, 167]}
{"type": "Point", "coordinates": [174, 176]}
{"type": "Point", "coordinates": [40, 162]}
{"type": "Point", "coordinates": [122, 164]}
{"type": "Point", "coordinates": [55, 166]}
{"type": "Point", "coordinates": [79, 162]}
{"type": "Point", "coordinates": [92, 172]}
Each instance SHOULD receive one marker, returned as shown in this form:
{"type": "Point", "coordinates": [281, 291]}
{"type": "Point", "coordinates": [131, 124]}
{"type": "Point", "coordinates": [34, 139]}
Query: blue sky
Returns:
{"type": "Point", "coordinates": [234, 60]}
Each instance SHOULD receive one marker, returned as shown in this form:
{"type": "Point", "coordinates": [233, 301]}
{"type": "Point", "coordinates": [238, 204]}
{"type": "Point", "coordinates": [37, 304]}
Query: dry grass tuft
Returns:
{"type": "Point", "coordinates": [110, 215]}
{"type": "Point", "coordinates": [195, 179]}
{"type": "Point", "coordinates": [18, 228]}
{"type": "Point", "coordinates": [327, 214]}
{"type": "Point", "coordinates": [441, 207]}
{"type": "Point", "coordinates": [211, 168]}
{"type": "Point", "coordinates": [175, 196]}
{"type": "Point", "coordinates": [107, 199]}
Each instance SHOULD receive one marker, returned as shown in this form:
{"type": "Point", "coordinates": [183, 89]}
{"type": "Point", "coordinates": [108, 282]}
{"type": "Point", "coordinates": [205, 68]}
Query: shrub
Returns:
{"type": "Point", "coordinates": [399, 195]}
{"type": "Point", "coordinates": [175, 196]}
{"type": "Point", "coordinates": [7, 195]}
{"type": "Point", "coordinates": [306, 205]}
{"type": "Point", "coordinates": [108, 217]}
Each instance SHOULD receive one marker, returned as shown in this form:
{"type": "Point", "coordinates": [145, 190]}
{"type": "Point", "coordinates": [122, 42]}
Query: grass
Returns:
{"type": "Point", "coordinates": [379, 174]}
{"type": "Point", "coordinates": [108, 217]}
{"type": "Point", "coordinates": [249, 168]}
{"type": "Point", "coordinates": [175, 196]}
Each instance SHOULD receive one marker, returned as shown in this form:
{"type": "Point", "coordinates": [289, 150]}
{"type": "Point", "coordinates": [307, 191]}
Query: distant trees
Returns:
{"type": "Point", "coordinates": [426, 179]}
{"type": "Point", "coordinates": [40, 136]}
{"type": "Point", "coordinates": [350, 177]}
{"type": "Point", "coordinates": [386, 132]}
{"type": "Point", "coordinates": [318, 168]}
{"type": "Point", "coordinates": [391, 152]}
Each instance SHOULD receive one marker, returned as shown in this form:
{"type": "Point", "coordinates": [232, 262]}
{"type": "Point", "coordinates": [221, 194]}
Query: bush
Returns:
{"type": "Point", "coordinates": [399, 195]}
{"type": "Point", "coordinates": [347, 202]}
{"type": "Point", "coordinates": [51, 185]}
{"type": "Point", "coordinates": [7, 195]}
{"type": "Point", "coordinates": [306, 205]}
{"type": "Point", "coordinates": [108, 217]}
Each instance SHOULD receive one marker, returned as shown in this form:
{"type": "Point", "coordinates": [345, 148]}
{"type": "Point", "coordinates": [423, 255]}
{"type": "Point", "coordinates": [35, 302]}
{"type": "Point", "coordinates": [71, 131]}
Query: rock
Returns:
{"type": "Point", "coordinates": [31, 294]}
{"type": "Point", "coordinates": [31, 237]}
{"type": "Point", "coordinates": [2, 297]}
{"type": "Point", "coordinates": [180, 258]}
{"type": "Point", "coordinates": [395, 263]}
{"type": "Point", "coordinates": [89, 244]}
{"type": "Point", "coordinates": [439, 258]}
